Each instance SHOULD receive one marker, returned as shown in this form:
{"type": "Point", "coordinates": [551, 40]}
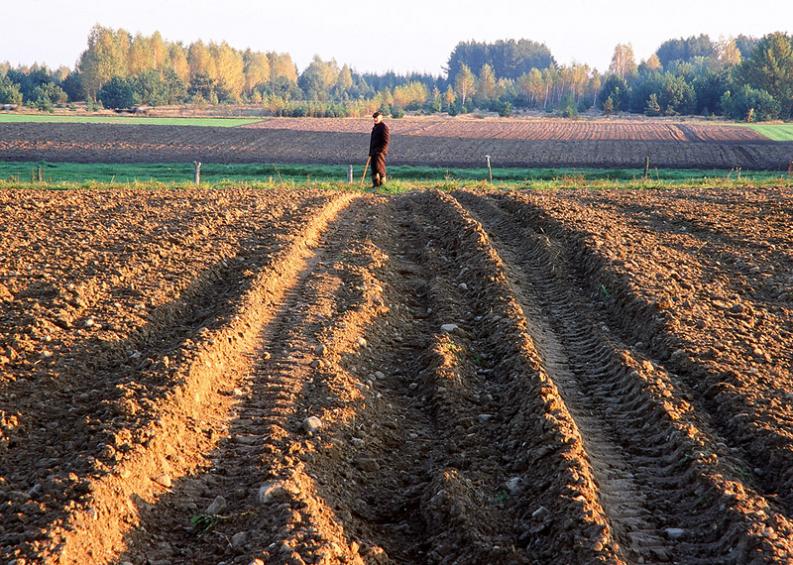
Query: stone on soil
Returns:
{"type": "Point", "coordinates": [272, 490]}
{"type": "Point", "coordinates": [674, 533]}
{"type": "Point", "coordinates": [541, 513]}
{"type": "Point", "coordinates": [449, 328]}
{"type": "Point", "coordinates": [239, 539]}
{"type": "Point", "coordinates": [514, 485]}
{"type": "Point", "coordinates": [163, 480]}
{"type": "Point", "coordinates": [217, 506]}
{"type": "Point", "coordinates": [367, 464]}
{"type": "Point", "coordinates": [312, 424]}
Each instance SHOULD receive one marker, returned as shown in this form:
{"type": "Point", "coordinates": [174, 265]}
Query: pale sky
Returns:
{"type": "Point", "coordinates": [402, 36]}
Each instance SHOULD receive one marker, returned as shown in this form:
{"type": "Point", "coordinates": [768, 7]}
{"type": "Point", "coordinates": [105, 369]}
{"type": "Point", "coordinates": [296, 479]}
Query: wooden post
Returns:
{"type": "Point", "coordinates": [489, 169]}
{"type": "Point", "coordinates": [646, 167]}
{"type": "Point", "coordinates": [197, 175]}
{"type": "Point", "coordinates": [40, 174]}
{"type": "Point", "coordinates": [349, 175]}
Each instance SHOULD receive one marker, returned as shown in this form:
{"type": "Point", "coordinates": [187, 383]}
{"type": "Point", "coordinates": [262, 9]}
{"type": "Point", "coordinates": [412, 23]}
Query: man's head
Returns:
{"type": "Point", "coordinates": [378, 117]}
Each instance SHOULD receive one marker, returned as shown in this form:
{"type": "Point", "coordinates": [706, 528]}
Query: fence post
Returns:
{"type": "Point", "coordinates": [646, 167]}
{"type": "Point", "coordinates": [197, 174]}
{"type": "Point", "coordinates": [349, 175]}
{"type": "Point", "coordinates": [489, 169]}
{"type": "Point", "coordinates": [40, 174]}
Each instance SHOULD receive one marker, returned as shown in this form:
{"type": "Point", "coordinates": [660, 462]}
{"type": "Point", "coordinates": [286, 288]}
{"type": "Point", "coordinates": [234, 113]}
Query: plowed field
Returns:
{"type": "Point", "coordinates": [475, 377]}
{"type": "Point", "coordinates": [529, 130]}
{"type": "Point", "coordinates": [444, 143]}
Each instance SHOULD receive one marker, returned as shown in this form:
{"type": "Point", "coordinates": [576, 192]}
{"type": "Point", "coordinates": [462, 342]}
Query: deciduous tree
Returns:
{"type": "Point", "coordinates": [465, 84]}
{"type": "Point", "coordinates": [623, 62]}
{"type": "Point", "coordinates": [256, 69]}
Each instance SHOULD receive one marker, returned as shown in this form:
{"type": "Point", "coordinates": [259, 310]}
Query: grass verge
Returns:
{"type": "Point", "coordinates": [777, 132]}
{"type": "Point", "coordinates": [65, 176]}
{"type": "Point", "coordinates": [213, 173]}
{"type": "Point", "coordinates": [125, 120]}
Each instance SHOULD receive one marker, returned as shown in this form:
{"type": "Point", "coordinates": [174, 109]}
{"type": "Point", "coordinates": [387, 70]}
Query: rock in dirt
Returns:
{"type": "Point", "coordinates": [163, 480]}
{"type": "Point", "coordinates": [362, 342]}
{"type": "Point", "coordinates": [484, 418]}
{"type": "Point", "coordinates": [35, 491]}
{"type": "Point", "coordinates": [367, 464]}
{"type": "Point", "coordinates": [272, 491]}
{"type": "Point", "coordinates": [540, 514]}
{"type": "Point", "coordinates": [674, 533]}
{"type": "Point", "coordinates": [514, 485]}
{"type": "Point", "coordinates": [239, 539]}
{"type": "Point", "coordinates": [375, 554]}
{"type": "Point", "coordinates": [217, 506]}
{"type": "Point", "coordinates": [449, 328]}
{"type": "Point", "coordinates": [5, 294]}
{"type": "Point", "coordinates": [312, 424]}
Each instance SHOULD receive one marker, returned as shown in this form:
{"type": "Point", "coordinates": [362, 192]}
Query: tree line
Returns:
{"type": "Point", "coordinates": [744, 78]}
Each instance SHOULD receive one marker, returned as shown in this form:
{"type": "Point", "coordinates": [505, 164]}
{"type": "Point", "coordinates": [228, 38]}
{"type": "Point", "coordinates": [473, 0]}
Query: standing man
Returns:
{"type": "Point", "coordinates": [378, 149]}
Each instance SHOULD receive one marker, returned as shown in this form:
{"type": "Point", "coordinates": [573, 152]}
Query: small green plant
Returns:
{"type": "Point", "coordinates": [451, 348]}
{"type": "Point", "coordinates": [203, 523]}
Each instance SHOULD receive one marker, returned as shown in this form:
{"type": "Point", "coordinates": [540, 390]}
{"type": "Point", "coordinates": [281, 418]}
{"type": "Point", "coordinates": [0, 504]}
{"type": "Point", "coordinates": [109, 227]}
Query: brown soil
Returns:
{"type": "Point", "coordinates": [516, 143]}
{"type": "Point", "coordinates": [613, 387]}
{"type": "Point", "coordinates": [548, 129]}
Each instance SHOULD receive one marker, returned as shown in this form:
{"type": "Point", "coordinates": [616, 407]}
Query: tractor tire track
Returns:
{"type": "Point", "coordinates": [256, 466]}
{"type": "Point", "coordinates": [646, 473]}
{"type": "Point", "coordinates": [141, 458]}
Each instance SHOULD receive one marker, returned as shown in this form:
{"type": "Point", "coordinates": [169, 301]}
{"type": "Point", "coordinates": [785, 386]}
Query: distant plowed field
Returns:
{"type": "Point", "coordinates": [475, 377]}
{"type": "Point", "coordinates": [528, 130]}
{"type": "Point", "coordinates": [129, 143]}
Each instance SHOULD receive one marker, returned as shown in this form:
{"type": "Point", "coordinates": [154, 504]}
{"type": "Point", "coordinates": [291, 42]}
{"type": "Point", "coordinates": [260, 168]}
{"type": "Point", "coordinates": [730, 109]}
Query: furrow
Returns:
{"type": "Point", "coordinates": [129, 471]}
{"type": "Point", "coordinates": [558, 515]}
{"type": "Point", "coordinates": [277, 508]}
{"type": "Point", "coordinates": [672, 493]}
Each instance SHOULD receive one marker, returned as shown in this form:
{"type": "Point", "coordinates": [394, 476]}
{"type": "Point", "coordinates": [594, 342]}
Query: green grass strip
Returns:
{"type": "Point", "coordinates": [401, 178]}
{"type": "Point", "coordinates": [126, 120]}
{"type": "Point", "coordinates": [273, 172]}
{"type": "Point", "coordinates": [777, 132]}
